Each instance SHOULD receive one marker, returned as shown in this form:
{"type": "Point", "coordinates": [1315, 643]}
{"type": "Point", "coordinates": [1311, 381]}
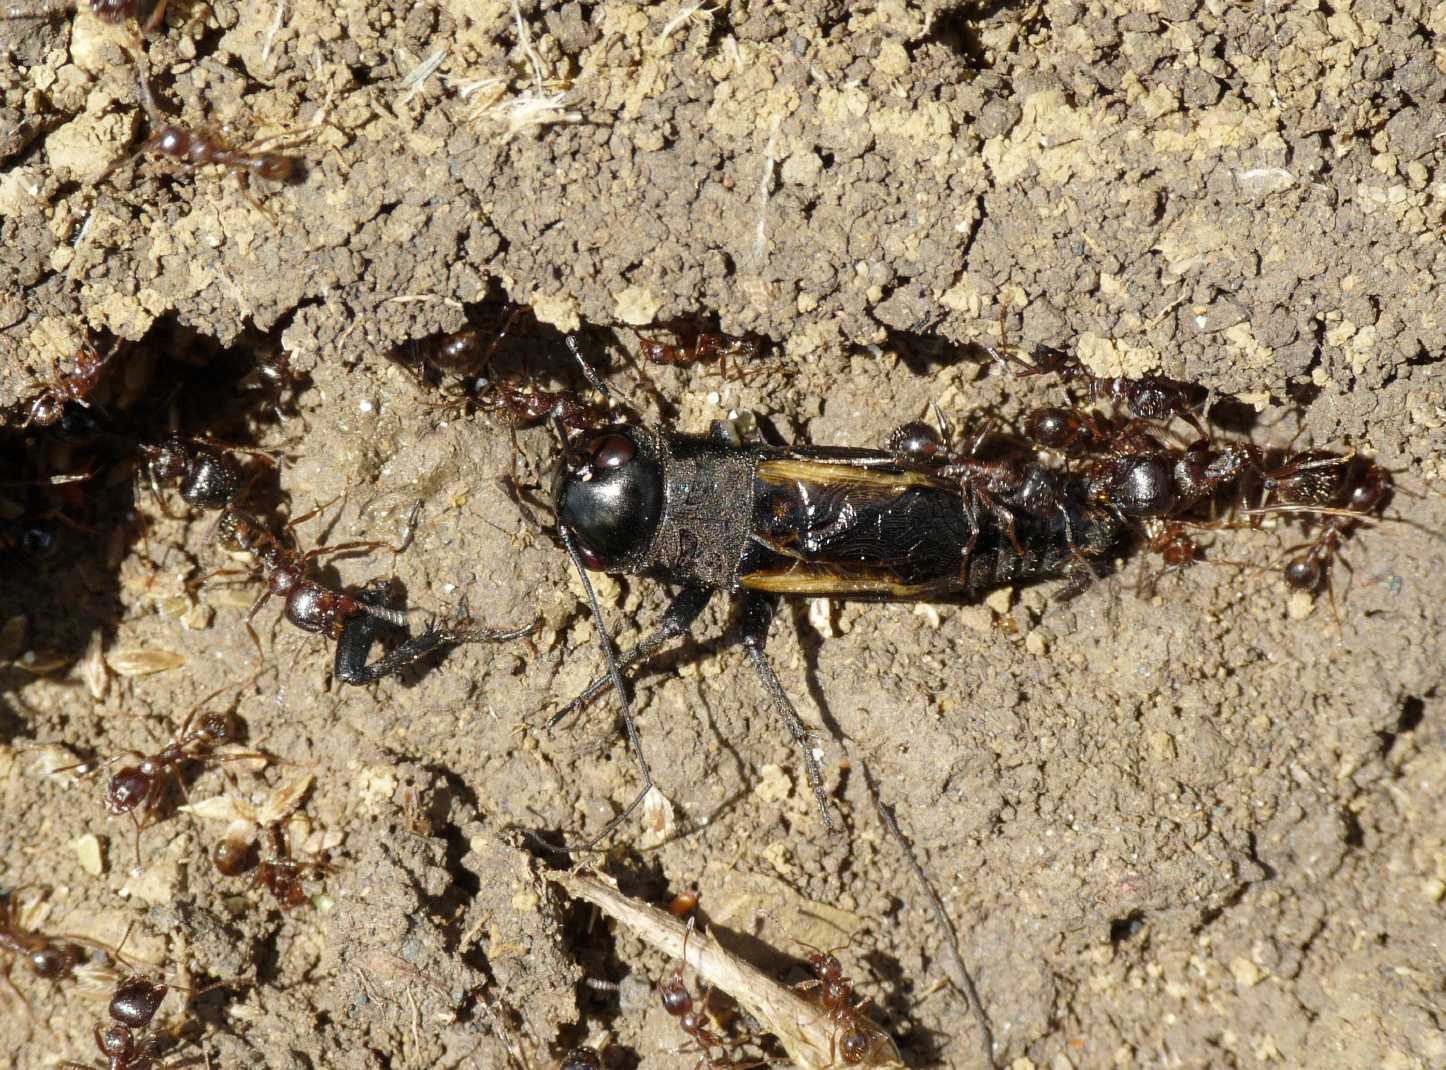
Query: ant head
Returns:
{"type": "Point", "coordinates": [54, 961]}
{"type": "Point", "coordinates": [136, 1001]}
{"type": "Point", "coordinates": [610, 495]}
{"type": "Point", "coordinates": [128, 788]}
{"type": "Point", "coordinates": [169, 461]}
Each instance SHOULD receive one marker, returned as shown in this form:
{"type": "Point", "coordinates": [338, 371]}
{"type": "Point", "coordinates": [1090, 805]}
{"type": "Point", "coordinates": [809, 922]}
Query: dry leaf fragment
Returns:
{"type": "Point", "coordinates": [284, 800]}
{"type": "Point", "coordinates": [143, 662]}
{"type": "Point", "coordinates": [801, 1025]}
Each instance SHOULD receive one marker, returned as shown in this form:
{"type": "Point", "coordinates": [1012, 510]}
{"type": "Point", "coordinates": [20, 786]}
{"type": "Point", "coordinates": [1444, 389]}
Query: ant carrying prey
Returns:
{"type": "Point", "coordinates": [914, 521]}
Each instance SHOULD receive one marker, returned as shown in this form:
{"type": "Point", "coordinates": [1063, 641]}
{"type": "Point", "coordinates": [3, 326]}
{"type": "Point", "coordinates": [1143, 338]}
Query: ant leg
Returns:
{"type": "Point", "coordinates": [360, 545]}
{"type": "Point", "coordinates": [677, 620]}
{"type": "Point", "coordinates": [758, 612]}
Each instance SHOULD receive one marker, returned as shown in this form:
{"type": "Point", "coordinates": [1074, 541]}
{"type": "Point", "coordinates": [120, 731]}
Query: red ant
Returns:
{"type": "Point", "coordinates": [134, 1003]}
{"type": "Point", "coordinates": [1342, 491]}
{"type": "Point", "coordinates": [138, 788]}
{"type": "Point", "coordinates": [112, 11]}
{"type": "Point", "coordinates": [459, 353]}
{"type": "Point", "coordinates": [52, 958]}
{"type": "Point", "coordinates": [71, 388]}
{"type": "Point", "coordinates": [1150, 397]}
{"type": "Point", "coordinates": [310, 606]}
{"type": "Point", "coordinates": [194, 149]}
{"type": "Point", "coordinates": [693, 1018]}
{"type": "Point", "coordinates": [855, 1038]}
{"type": "Point", "coordinates": [133, 1006]}
{"type": "Point", "coordinates": [700, 347]}
{"type": "Point", "coordinates": [282, 875]}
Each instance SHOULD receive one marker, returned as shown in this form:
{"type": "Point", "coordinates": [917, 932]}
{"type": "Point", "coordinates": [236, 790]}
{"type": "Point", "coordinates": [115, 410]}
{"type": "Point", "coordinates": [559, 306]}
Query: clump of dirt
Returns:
{"type": "Point", "coordinates": [1200, 823]}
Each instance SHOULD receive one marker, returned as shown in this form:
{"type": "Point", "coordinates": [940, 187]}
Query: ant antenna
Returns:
{"type": "Point", "coordinates": [588, 371]}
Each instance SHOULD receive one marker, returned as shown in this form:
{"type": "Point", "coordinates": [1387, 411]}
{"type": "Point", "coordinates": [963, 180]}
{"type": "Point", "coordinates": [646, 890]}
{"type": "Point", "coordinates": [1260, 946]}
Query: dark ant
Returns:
{"type": "Point", "coordinates": [208, 477]}
{"type": "Point", "coordinates": [137, 789]}
{"type": "Point", "coordinates": [692, 1017]}
{"type": "Point", "coordinates": [112, 11]}
{"type": "Point", "coordinates": [272, 377]}
{"type": "Point", "coordinates": [51, 957]}
{"type": "Point", "coordinates": [855, 1038]}
{"type": "Point", "coordinates": [701, 347]}
{"type": "Point", "coordinates": [460, 353]}
{"type": "Point", "coordinates": [63, 401]}
{"type": "Point", "coordinates": [580, 1059]}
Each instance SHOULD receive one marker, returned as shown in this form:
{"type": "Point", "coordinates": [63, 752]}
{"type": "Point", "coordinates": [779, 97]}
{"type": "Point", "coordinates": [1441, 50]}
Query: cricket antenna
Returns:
{"type": "Point", "coordinates": [605, 643]}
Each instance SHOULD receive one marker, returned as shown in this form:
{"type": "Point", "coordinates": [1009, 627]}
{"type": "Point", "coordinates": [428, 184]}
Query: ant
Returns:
{"type": "Point", "coordinates": [282, 875]}
{"type": "Point", "coordinates": [1150, 397]}
{"type": "Point", "coordinates": [68, 391]}
{"type": "Point", "coordinates": [52, 958]}
{"type": "Point", "coordinates": [112, 11]}
{"type": "Point", "coordinates": [311, 606]}
{"type": "Point", "coordinates": [137, 789]}
{"type": "Point", "coordinates": [208, 478]}
{"type": "Point", "coordinates": [194, 149]}
{"type": "Point", "coordinates": [855, 1038]}
{"type": "Point", "coordinates": [133, 1006]}
{"type": "Point", "coordinates": [692, 1018]}
{"type": "Point", "coordinates": [701, 347]}
{"type": "Point", "coordinates": [272, 377]}
{"type": "Point", "coordinates": [459, 353]}
{"type": "Point", "coordinates": [1343, 491]}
